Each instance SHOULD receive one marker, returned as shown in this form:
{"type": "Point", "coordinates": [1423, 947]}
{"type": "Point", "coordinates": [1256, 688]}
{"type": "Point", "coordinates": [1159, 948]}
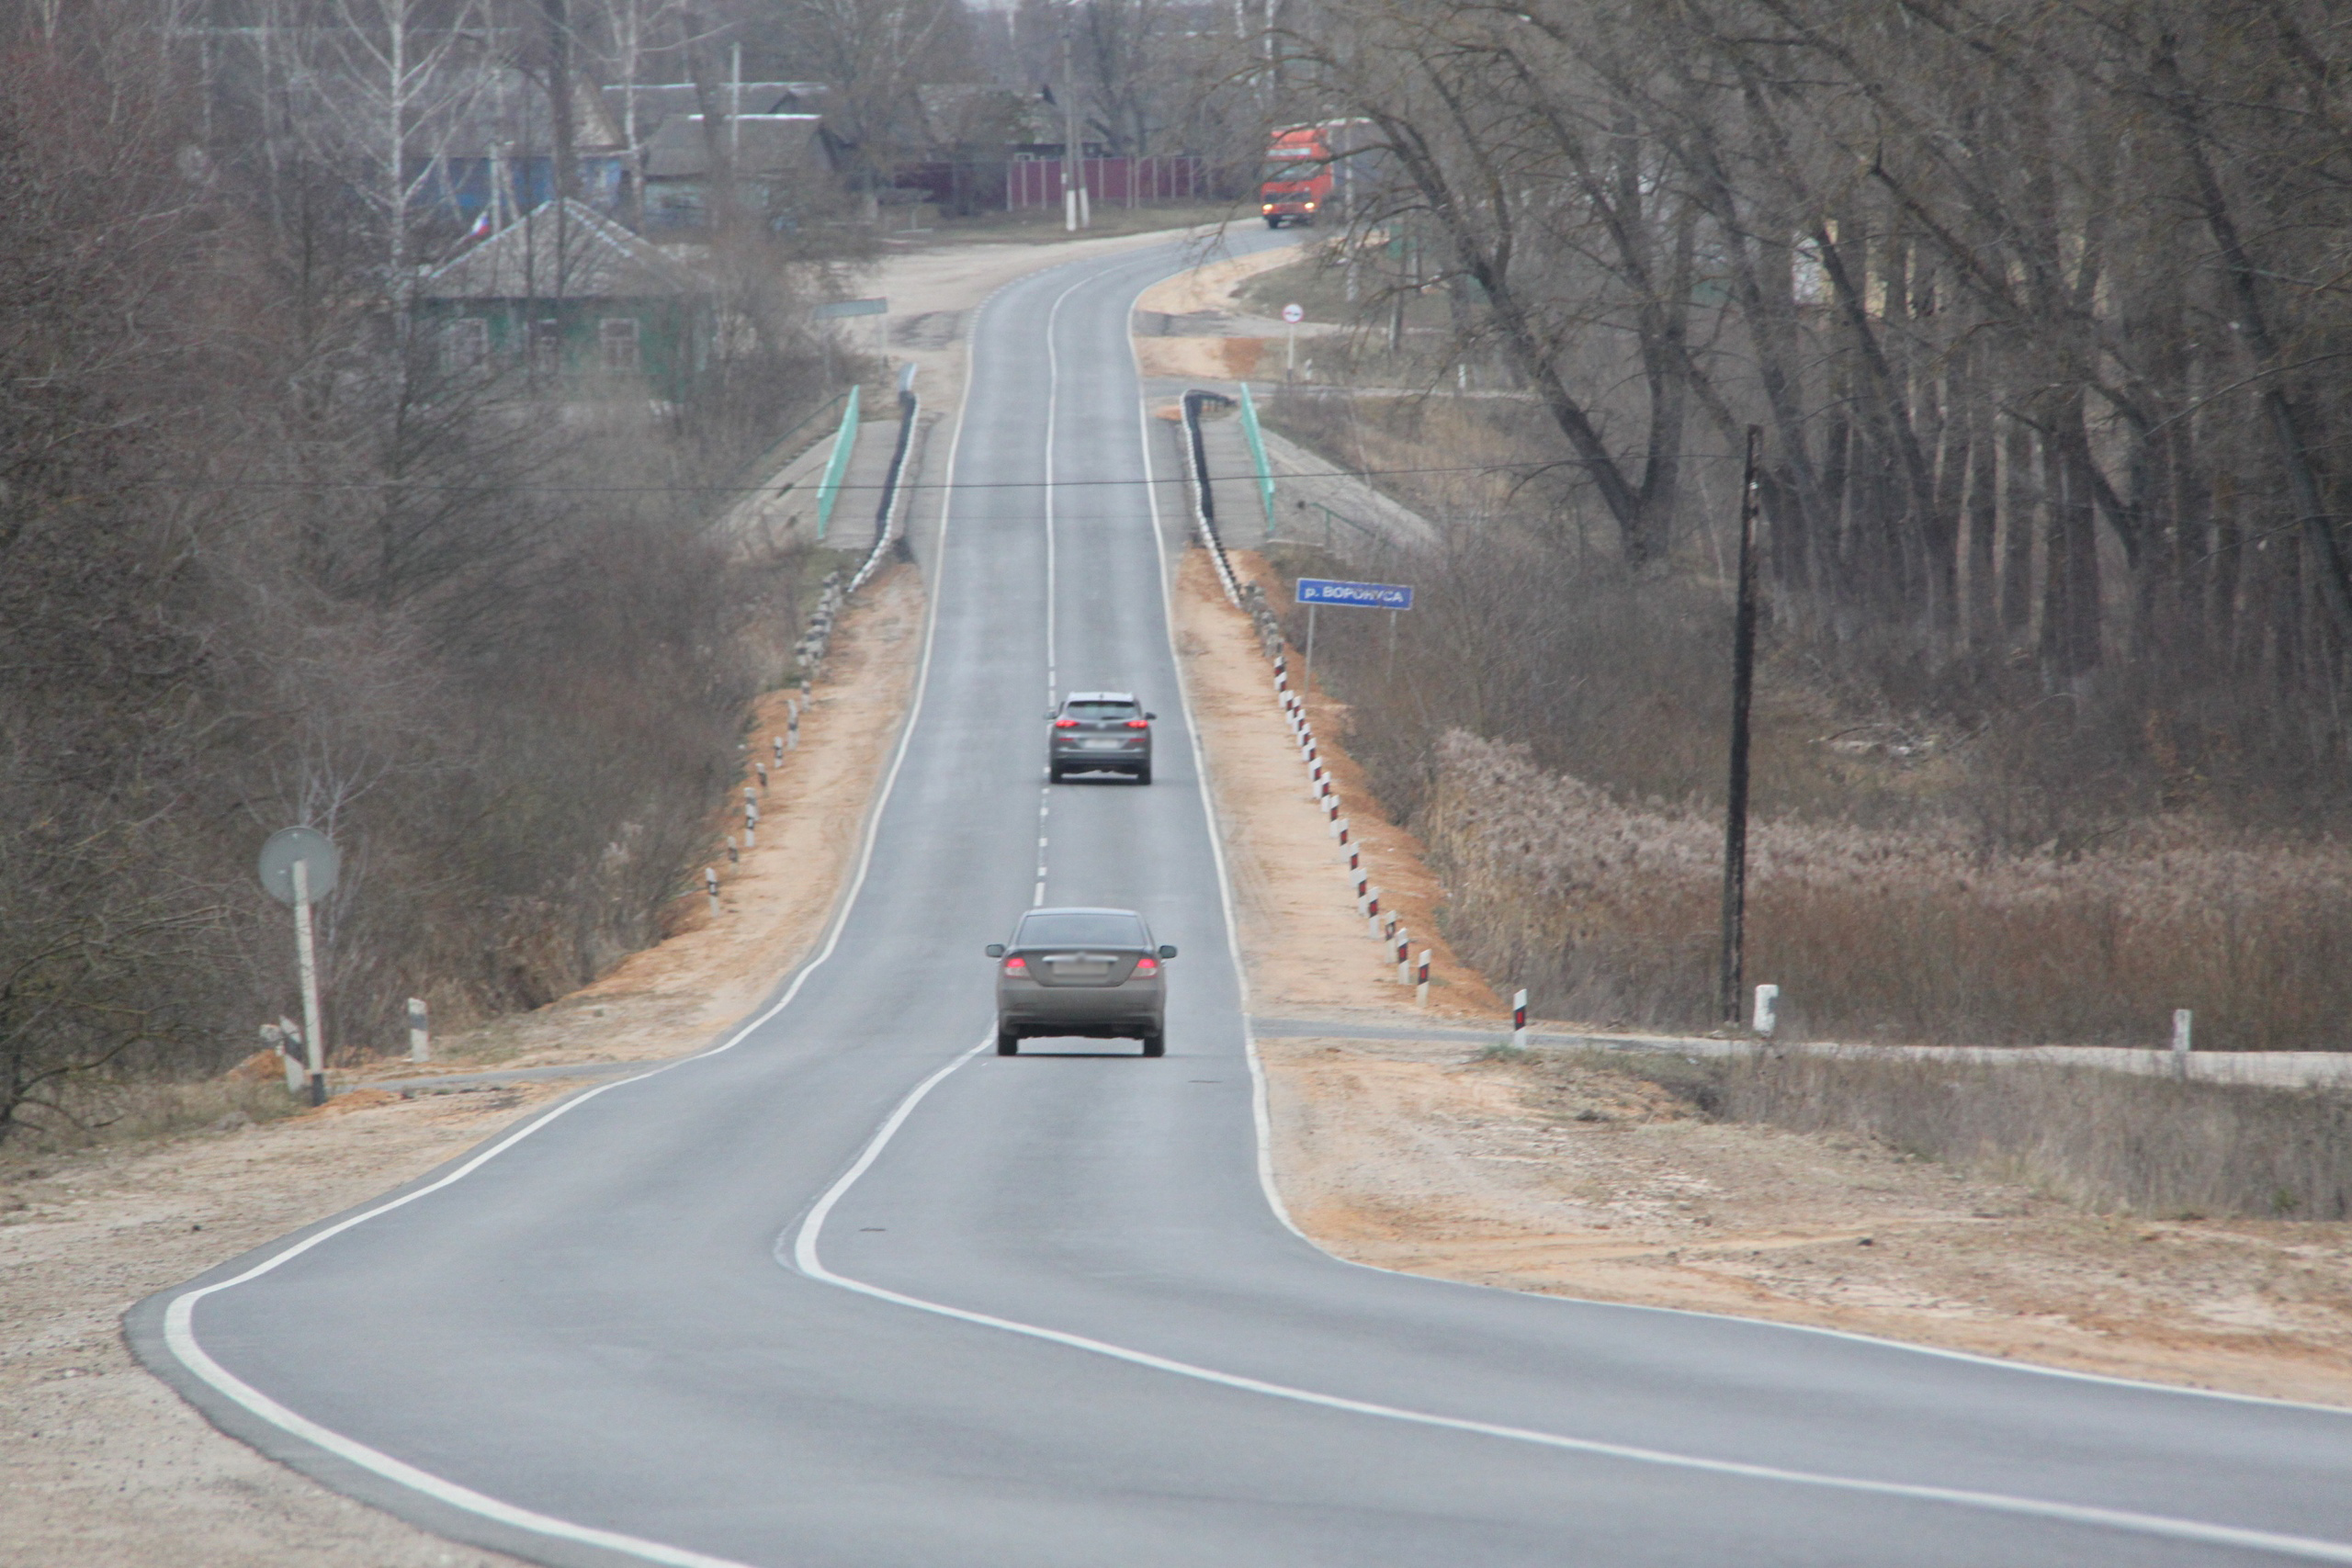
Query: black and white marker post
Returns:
{"type": "Point", "coordinates": [299, 867]}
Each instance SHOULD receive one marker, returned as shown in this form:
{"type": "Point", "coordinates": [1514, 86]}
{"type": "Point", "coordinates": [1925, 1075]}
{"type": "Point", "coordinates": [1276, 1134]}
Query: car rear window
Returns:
{"type": "Point", "coordinates": [1099, 710]}
{"type": "Point", "coordinates": [1080, 930]}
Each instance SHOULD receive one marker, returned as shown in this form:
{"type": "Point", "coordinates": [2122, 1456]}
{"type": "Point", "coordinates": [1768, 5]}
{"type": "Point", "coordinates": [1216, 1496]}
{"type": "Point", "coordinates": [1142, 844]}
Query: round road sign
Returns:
{"type": "Point", "coordinates": [319, 859]}
{"type": "Point", "coordinates": [1294, 314]}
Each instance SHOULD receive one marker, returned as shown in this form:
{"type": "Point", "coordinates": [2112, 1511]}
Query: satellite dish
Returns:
{"type": "Point", "coordinates": [319, 857]}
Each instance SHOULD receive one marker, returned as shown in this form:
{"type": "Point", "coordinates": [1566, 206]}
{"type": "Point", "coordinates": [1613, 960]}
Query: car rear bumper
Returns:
{"type": "Point", "coordinates": [1127, 754]}
{"type": "Point", "coordinates": [1123, 1010]}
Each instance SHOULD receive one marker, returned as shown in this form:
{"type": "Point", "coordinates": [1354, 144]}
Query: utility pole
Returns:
{"type": "Point", "coordinates": [1743, 685]}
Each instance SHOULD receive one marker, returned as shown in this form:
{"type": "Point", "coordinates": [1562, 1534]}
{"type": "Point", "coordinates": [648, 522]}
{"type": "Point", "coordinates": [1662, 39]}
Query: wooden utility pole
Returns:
{"type": "Point", "coordinates": [1743, 685]}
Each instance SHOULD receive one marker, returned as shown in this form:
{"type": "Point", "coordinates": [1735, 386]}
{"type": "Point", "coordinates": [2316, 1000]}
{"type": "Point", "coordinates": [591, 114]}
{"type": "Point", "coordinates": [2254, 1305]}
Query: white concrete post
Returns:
{"type": "Point", "coordinates": [420, 1030]}
{"type": "Point", "coordinates": [1421, 980]}
{"type": "Point", "coordinates": [710, 885]}
{"type": "Point", "coordinates": [2181, 1019]}
{"type": "Point", "coordinates": [1767, 1010]}
{"type": "Point", "coordinates": [1404, 956]}
{"type": "Point", "coordinates": [312, 1041]}
{"type": "Point", "coordinates": [285, 1037]}
{"type": "Point", "coordinates": [1519, 1019]}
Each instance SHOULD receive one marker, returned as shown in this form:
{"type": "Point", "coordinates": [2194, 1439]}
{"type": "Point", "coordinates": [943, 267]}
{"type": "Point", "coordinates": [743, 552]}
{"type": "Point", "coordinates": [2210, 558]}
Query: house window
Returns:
{"type": "Point", "coordinates": [616, 337]}
{"type": "Point", "coordinates": [464, 345]}
{"type": "Point", "coordinates": [546, 346]}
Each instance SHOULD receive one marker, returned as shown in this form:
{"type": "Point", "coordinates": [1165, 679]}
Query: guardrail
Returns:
{"type": "Point", "coordinates": [1251, 599]}
{"type": "Point", "coordinates": [809, 654]}
{"type": "Point", "coordinates": [828, 489]}
{"type": "Point", "coordinates": [1204, 501]}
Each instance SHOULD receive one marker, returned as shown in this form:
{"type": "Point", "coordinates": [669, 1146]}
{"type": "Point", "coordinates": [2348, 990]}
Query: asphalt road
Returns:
{"type": "Point", "coordinates": [844, 1291]}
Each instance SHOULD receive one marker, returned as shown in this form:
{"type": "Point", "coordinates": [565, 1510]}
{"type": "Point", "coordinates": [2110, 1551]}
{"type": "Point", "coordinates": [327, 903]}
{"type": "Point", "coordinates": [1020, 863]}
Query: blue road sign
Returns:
{"type": "Point", "coordinates": [1358, 596]}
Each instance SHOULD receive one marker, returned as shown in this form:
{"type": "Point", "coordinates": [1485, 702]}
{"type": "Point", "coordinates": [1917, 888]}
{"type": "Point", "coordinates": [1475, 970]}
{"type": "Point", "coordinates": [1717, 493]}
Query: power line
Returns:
{"type": "Point", "coordinates": [1530, 466]}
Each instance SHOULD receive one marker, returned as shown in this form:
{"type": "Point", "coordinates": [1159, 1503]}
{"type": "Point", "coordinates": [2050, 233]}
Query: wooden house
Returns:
{"type": "Point", "coordinates": [568, 299]}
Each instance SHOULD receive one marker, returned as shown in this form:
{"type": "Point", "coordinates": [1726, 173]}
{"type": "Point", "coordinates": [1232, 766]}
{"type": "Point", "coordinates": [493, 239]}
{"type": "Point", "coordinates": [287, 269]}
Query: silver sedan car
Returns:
{"type": "Point", "coordinates": [1080, 971]}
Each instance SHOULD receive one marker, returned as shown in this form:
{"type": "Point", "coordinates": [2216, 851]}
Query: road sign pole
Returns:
{"type": "Point", "coordinates": [1306, 687]}
{"type": "Point", "coordinates": [308, 959]}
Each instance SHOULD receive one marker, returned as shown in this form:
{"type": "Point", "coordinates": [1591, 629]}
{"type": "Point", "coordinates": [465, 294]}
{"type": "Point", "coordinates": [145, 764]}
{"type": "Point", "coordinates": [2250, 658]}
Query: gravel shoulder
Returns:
{"type": "Point", "coordinates": [100, 1462]}
{"type": "Point", "coordinates": [1563, 1174]}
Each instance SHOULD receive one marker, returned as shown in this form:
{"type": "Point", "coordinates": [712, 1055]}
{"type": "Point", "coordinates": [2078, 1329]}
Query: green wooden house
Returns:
{"type": "Point", "coordinates": [569, 299]}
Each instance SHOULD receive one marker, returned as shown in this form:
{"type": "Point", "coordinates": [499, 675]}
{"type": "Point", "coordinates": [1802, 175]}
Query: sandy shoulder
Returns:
{"type": "Point", "coordinates": [1552, 1176]}
{"type": "Point", "coordinates": [101, 1464]}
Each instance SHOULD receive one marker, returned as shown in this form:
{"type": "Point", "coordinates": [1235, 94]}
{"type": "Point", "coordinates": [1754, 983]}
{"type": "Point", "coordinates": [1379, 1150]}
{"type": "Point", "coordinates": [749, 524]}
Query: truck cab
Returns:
{"type": "Point", "coordinates": [1297, 185]}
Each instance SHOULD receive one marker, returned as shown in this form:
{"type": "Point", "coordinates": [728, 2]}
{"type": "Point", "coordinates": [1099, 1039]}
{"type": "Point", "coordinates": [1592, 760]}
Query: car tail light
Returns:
{"type": "Point", "coordinates": [1137, 724]}
{"type": "Point", "coordinates": [1065, 724]}
{"type": "Point", "coordinates": [1147, 966]}
{"type": "Point", "coordinates": [1016, 965]}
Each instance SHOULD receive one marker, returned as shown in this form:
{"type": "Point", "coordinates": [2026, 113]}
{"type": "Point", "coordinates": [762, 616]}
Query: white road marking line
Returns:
{"type": "Point", "coordinates": [806, 1259]}
{"type": "Point", "coordinates": [179, 1329]}
{"type": "Point", "coordinates": [179, 1316]}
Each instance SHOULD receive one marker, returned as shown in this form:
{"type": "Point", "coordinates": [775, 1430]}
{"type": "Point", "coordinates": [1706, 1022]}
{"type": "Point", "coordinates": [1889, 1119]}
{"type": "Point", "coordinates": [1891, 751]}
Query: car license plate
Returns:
{"type": "Point", "coordinates": [1081, 968]}
{"type": "Point", "coordinates": [1104, 745]}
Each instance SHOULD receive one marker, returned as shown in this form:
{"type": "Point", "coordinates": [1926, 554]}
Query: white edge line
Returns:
{"type": "Point", "coordinates": [1260, 1112]}
{"type": "Point", "coordinates": [1264, 1118]}
{"type": "Point", "coordinates": [179, 1325]}
{"type": "Point", "coordinates": [806, 1259]}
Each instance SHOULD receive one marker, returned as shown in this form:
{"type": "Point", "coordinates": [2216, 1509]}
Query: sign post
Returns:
{"type": "Point", "coordinates": [299, 866]}
{"type": "Point", "coordinates": [1294, 314]}
{"type": "Point", "coordinates": [1316, 591]}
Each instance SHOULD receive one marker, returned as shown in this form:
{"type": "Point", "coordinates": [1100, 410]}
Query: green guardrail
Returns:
{"type": "Point", "coordinates": [828, 489]}
{"type": "Point", "coordinates": [1251, 434]}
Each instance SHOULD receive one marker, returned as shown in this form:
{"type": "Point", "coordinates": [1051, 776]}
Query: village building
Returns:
{"type": "Point", "coordinates": [566, 296]}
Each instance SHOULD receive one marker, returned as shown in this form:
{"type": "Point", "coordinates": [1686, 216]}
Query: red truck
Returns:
{"type": "Point", "coordinates": [1312, 170]}
{"type": "Point", "coordinates": [1298, 182]}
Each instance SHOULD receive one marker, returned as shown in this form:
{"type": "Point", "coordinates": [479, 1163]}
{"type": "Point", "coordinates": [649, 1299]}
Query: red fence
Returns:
{"type": "Point", "coordinates": [1119, 182]}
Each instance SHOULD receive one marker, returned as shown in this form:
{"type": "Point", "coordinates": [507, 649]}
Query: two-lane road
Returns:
{"type": "Point", "coordinates": [845, 1290]}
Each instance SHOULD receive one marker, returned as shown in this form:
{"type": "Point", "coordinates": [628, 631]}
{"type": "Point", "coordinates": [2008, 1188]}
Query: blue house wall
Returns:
{"type": "Point", "coordinates": [457, 189]}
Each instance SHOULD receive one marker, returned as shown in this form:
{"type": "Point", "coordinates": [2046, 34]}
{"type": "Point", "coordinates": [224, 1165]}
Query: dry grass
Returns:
{"type": "Point", "coordinates": [1609, 910]}
{"type": "Point", "coordinates": [2109, 1141]}
{"type": "Point", "coordinates": [133, 1112]}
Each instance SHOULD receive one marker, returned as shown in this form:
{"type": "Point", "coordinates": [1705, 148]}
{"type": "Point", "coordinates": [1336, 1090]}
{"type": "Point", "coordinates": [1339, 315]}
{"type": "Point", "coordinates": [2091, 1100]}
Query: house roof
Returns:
{"type": "Point", "coordinates": [469, 114]}
{"type": "Point", "coordinates": [601, 261]}
{"type": "Point", "coordinates": [764, 144]}
{"type": "Point", "coordinates": [955, 112]}
{"type": "Point", "coordinates": [658, 102]}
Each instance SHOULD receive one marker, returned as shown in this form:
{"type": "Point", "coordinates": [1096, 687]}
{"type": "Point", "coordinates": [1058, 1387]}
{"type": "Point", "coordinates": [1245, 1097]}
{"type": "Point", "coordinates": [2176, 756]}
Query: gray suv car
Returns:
{"type": "Point", "coordinates": [1100, 732]}
{"type": "Point", "coordinates": [1076, 971]}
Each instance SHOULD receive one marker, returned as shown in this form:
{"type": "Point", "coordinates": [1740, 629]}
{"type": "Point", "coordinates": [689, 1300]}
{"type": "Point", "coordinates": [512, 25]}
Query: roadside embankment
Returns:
{"type": "Point", "coordinates": [1607, 1177]}
{"type": "Point", "coordinates": [100, 1463]}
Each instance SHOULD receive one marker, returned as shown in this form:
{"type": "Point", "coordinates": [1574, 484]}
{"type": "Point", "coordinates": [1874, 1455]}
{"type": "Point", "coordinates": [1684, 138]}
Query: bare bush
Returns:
{"type": "Point", "coordinates": [1607, 910]}
{"type": "Point", "coordinates": [266, 563]}
{"type": "Point", "coordinates": [2108, 1140]}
